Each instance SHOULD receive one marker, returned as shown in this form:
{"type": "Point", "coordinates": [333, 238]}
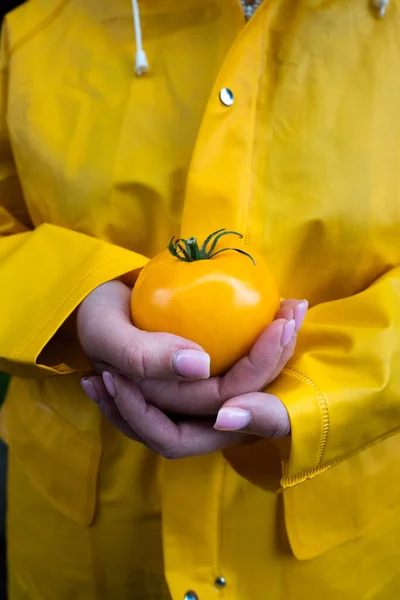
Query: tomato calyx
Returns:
{"type": "Point", "coordinates": [190, 251]}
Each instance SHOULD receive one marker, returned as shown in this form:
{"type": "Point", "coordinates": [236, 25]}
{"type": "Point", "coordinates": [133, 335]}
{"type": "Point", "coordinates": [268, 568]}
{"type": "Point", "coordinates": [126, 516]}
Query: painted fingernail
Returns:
{"type": "Point", "coordinates": [108, 381]}
{"type": "Point", "coordinates": [191, 363]}
{"type": "Point", "coordinates": [232, 419]}
{"type": "Point", "coordinates": [90, 390]}
{"type": "Point", "coordinates": [300, 313]}
{"type": "Point", "coordinates": [288, 332]}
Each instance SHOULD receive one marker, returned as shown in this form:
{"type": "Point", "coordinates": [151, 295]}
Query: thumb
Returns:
{"type": "Point", "coordinates": [154, 356]}
{"type": "Point", "coordinates": [112, 343]}
{"type": "Point", "coordinates": [258, 413]}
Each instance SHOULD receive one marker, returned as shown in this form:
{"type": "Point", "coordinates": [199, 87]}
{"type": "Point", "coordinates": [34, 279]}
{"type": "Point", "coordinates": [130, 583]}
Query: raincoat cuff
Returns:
{"type": "Point", "coordinates": [308, 412]}
{"type": "Point", "coordinates": [119, 266]}
{"type": "Point", "coordinates": [73, 266]}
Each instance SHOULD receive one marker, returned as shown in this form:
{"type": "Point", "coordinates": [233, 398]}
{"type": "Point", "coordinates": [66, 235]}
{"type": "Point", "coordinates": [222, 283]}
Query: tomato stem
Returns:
{"type": "Point", "coordinates": [193, 249]}
{"type": "Point", "coordinates": [189, 250]}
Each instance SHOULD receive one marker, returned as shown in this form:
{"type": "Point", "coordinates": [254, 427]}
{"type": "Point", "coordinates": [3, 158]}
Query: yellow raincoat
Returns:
{"type": "Point", "coordinates": [98, 169]}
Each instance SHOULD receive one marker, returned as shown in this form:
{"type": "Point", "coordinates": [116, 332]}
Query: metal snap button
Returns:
{"type": "Point", "coordinates": [220, 582]}
{"type": "Point", "coordinates": [190, 595]}
{"type": "Point", "coordinates": [226, 96]}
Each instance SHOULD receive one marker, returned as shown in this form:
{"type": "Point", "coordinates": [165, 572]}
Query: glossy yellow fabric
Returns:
{"type": "Point", "coordinates": [98, 169]}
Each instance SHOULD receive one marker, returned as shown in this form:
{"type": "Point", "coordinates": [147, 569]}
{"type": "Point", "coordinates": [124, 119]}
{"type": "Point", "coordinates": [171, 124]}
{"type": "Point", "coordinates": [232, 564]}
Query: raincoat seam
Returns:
{"type": "Point", "coordinates": [96, 561]}
{"type": "Point", "coordinates": [220, 504]}
{"type": "Point", "coordinates": [250, 198]}
{"type": "Point", "coordinates": [293, 480]}
{"type": "Point", "coordinates": [61, 306]}
{"type": "Point", "coordinates": [323, 406]}
{"type": "Point", "coordinates": [94, 467]}
{"type": "Point", "coordinates": [38, 28]}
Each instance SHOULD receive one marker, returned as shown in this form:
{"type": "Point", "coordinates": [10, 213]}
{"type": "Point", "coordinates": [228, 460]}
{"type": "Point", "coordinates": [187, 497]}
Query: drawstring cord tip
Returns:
{"type": "Point", "coordinates": [141, 64]}
{"type": "Point", "coordinates": [381, 7]}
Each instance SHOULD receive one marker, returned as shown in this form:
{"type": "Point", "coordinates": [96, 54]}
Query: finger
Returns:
{"type": "Point", "coordinates": [95, 389]}
{"type": "Point", "coordinates": [299, 311]}
{"type": "Point", "coordinates": [252, 373]}
{"type": "Point", "coordinates": [286, 355]}
{"type": "Point", "coordinates": [293, 309]}
{"type": "Point", "coordinates": [255, 371]}
{"type": "Point", "coordinates": [286, 311]}
{"type": "Point", "coordinates": [109, 339]}
{"type": "Point", "coordinates": [259, 414]}
{"type": "Point", "coordinates": [166, 437]}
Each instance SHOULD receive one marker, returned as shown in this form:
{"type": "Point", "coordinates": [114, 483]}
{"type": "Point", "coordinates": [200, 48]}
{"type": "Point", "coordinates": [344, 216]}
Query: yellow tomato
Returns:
{"type": "Point", "coordinates": [220, 298]}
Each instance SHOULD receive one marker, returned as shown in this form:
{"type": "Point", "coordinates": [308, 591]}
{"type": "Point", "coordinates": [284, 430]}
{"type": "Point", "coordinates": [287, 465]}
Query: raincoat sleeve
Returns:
{"type": "Point", "coordinates": [342, 389]}
{"type": "Point", "coordinates": [44, 275]}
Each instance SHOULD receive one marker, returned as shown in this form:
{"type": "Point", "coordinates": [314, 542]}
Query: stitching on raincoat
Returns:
{"type": "Point", "coordinates": [39, 27]}
{"type": "Point", "coordinates": [220, 504]}
{"type": "Point", "coordinates": [61, 306]}
{"type": "Point", "coordinates": [250, 201]}
{"type": "Point", "coordinates": [323, 405]}
{"type": "Point", "coordinates": [310, 473]}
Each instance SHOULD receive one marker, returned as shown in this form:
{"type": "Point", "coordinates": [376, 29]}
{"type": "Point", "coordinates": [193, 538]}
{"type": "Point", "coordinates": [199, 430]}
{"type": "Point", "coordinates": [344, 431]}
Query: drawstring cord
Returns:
{"type": "Point", "coordinates": [381, 7]}
{"type": "Point", "coordinates": [249, 7]}
{"type": "Point", "coordinates": [141, 64]}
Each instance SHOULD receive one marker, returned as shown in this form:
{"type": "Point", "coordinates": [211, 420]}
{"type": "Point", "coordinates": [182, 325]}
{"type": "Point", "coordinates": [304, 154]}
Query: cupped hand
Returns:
{"type": "Point", "coordinates": [173, 416]}
{"type": "Point", "coordinates": [112, 343]}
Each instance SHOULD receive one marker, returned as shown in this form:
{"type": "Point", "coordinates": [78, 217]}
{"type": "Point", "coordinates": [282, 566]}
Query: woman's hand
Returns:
{"type": "Point", "coordinates": [112, 343]}
{"type": "Point", "coordinates": [142, 395]}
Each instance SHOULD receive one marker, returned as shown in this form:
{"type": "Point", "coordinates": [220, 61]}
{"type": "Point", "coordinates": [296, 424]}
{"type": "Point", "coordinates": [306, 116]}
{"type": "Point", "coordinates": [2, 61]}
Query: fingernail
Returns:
{"type": "Point", "coordinates": [232, 419]}
{"type": "Point", "coordinates": [108, 381]}
{"type": "Point", "coordinates": [288, 332]}
{"type": "Point", "coordinates": [191, 363]}
{"type": "Point", "coordinates": [90, 390]}
{"type": "Point", "coordinates": [300, 313]}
